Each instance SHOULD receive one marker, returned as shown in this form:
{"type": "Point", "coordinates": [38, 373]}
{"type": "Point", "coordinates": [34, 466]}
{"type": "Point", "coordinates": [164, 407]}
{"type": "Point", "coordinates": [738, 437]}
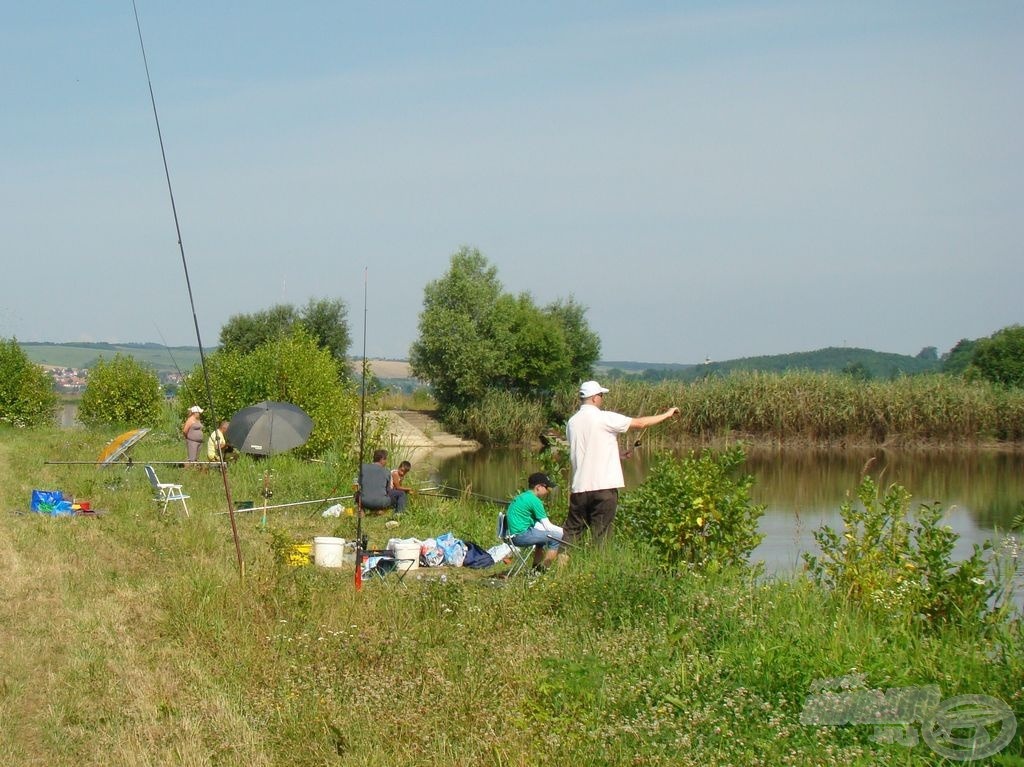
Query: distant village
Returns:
{"type": "Point", "coordinates": [74, 380]}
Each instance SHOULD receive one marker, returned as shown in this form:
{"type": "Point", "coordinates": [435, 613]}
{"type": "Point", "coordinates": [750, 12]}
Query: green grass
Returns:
{"type": "Point", "coordinates": [130, 639]}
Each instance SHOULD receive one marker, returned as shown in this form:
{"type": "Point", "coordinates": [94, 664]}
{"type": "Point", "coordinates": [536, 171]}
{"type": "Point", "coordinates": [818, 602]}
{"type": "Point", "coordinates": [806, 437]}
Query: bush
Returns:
{"type": "Point", "coordinates": [694, 512]}
{"type": "Point", "coordinates": [121, 391]}
{"type": "Point", "coordinates": [898, 563]}
{"type": "Point", "coordinates": [290, 369]}
{"type": "Point", "coordinates": [26, 391]}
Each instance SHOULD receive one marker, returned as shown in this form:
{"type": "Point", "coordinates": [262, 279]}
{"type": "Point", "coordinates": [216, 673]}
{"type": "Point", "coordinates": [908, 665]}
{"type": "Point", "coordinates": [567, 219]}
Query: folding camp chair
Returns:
{"type": "Point", "coordinates": [165, 491]}
{"type": "Point", "coordinates": [520, 559]}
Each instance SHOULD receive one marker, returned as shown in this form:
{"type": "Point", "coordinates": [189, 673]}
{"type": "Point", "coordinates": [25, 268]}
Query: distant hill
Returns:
{"type": "Point", "coordinates": [161, 358]}
{"type": "Point", "coordinates": [864, 363]}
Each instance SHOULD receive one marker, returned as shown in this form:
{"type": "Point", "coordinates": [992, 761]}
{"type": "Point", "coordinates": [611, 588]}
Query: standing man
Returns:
{"type": "Point", "coordinates": [596, 467]}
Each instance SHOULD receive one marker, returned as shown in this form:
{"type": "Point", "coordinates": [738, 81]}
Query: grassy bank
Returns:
{"type": "Point", "coordinates": [131, 640]}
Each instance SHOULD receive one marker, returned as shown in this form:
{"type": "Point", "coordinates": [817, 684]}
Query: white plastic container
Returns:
{"type": "Point", "coordinates": [328, 552]}
{"type": "Point", "coordinates": [407, 555]}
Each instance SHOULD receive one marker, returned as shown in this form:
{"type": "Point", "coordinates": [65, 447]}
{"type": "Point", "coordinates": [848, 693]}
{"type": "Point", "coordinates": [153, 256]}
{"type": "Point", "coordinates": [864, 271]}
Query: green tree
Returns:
{"type": "Point", "coordinates": [1000, 357]}
{"type": "Point", "coordinates": [293, 368]}
{"type": "Point", "coordinates": [858, 371]}
{"type": "Point", "coordinates": [324, 319]}
{"type": "Point", "coordinates": [327, 321]}
{"type": "Point", "coordinates": [26, 391]}
{"type": "Point", "coordinates": [121, 391]}
{"type": "Point", "coordinates": [582, 344]}
{"type": "Point", "coordinates": [244, 332]}
{"type": "Point", "coordinates": [957, 359]}
{"type": "Point", "coordinates": [474, 338]}
{"type": "Point", "coordinates": [929, 354]}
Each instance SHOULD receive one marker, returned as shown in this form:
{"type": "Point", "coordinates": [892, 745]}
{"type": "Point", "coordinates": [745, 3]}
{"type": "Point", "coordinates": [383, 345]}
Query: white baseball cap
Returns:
{"type": "Point", "coordinates": [589, 388]}
{"type": "Point", "coordinates": [195, 409]}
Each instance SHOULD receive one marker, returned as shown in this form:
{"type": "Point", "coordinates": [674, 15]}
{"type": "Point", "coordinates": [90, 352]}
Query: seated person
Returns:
{"type": "Point", "coordinates": [376, 492]}
{"type": "Point", "coordinates": [398, 477]}
{"type": "Point", "coordinates": [217, 439]}
{"type": "Point", "coordinates": [528, 523]}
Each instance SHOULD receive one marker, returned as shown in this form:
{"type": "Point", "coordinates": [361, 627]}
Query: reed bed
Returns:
{"type": "Point", "coordinates": [824, 409]}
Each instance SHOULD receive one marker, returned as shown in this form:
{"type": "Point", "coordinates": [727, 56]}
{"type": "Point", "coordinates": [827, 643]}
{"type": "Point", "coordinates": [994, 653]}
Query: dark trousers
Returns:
{"type": "Point", "coordinates": [594, 509]}
{"type": "Point", "coordinates": [396, 499]}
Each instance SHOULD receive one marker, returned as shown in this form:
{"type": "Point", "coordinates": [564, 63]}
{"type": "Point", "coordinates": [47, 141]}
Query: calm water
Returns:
{"type": "Point", "coordinates": [803, 489]}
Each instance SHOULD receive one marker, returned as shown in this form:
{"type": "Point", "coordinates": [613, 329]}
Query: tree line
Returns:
{"type": "Point", "coordinates": [477, 345]}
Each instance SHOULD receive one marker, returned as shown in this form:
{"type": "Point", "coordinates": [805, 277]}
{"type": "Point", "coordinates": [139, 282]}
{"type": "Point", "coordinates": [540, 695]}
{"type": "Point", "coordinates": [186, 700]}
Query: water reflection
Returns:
{"type": "Point", "coordinates": [803, 489]}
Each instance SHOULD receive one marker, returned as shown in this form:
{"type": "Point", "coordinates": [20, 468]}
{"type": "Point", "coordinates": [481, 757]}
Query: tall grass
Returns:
{"type": "Point", "coordinates": [130, 639]}
{"type": "Point", "coordinates": [825, 408]}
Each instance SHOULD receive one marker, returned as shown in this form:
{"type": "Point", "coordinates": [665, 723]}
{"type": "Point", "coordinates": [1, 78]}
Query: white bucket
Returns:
{"type": "Point", "coordinates": [328, 552]}
{"type": "Point", "coordinates": [408, 556]}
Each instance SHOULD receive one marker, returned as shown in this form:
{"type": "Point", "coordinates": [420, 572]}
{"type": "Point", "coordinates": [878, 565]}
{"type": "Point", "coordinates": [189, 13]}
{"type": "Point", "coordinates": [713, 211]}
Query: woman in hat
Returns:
{"type": "Point", "coordinates": [192, 430]}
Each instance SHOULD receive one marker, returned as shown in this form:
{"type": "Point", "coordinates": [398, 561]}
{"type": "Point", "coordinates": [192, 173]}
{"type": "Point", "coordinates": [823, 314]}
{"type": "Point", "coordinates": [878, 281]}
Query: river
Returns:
{"type": "Point", "coordinates": [981, 491]}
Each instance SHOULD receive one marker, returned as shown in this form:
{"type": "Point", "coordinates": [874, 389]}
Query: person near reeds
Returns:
{"type": "Point", "coordinates": [192, 430]}
{"type": "Point", "coordinates": [596, 462]}
{"type": "Point", "coordinates": [376, 492]}
{"type": "Point", "coordinates": [528, 523]}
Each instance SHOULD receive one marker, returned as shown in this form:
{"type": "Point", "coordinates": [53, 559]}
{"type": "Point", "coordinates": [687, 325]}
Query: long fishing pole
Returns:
{"type": "Point", "coordinates": [188, 284]}
{"type": "Point", "coordinates": [358, 577]}
{"type": "Point", "coordinates": [168, 350]}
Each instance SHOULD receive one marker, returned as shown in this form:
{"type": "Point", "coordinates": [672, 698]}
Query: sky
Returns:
{"type": "Point", "coordinates": [712, 180]}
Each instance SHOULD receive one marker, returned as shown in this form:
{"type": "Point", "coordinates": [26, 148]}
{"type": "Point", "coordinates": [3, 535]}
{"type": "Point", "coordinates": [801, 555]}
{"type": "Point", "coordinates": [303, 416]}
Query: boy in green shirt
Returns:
{"type": "Point", "coordinates": [528, 523]}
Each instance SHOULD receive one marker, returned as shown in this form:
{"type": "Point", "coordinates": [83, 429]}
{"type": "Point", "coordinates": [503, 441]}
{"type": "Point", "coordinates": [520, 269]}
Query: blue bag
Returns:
{"type": "Point", "coordinates": [477, 557]}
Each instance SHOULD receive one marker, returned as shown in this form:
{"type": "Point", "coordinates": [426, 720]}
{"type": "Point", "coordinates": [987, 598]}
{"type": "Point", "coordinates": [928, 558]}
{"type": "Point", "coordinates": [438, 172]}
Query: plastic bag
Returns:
{"type": "Point", "coordinates": [500, 551]}
{"type": "Point", "coordinates": [454, 549]}
{"type": "Point", "coordinates": [51, 502]}
{"type": "Point", "coordinates": [431, 554]}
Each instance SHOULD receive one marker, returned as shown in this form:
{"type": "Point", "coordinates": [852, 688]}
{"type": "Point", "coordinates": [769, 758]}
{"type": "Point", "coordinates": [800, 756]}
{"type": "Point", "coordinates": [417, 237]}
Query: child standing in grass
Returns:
{"type": "Point", "coordinates": [528, 522]}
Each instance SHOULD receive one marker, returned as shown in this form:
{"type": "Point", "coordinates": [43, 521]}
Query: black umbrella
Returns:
{"type": "Point", "coordinates": [267, 428]}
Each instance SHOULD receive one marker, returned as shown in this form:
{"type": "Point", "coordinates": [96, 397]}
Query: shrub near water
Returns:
{"type": "Point", "coordinates": [26, 392]}
{"type": "Point", "coordinates": [121, 391]}
{"type": "Point", "coordinates": [694, 511]}
{"type": "Point", "coordinates": [898, 564]}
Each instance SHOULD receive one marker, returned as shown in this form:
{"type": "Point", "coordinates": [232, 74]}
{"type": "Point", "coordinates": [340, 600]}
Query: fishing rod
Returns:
{"type": "Point", "coordinates": [358, 577]}
{"type": "Point", "coordinates": [460, 492]}
{"type": "Point", "coordinates": [188, 284]}
{"type": "Point", "coordinates": [167, 348]}
{"type": "Point", "coordinates": [294, 503]}
{"type": "Point", "coordinates": [131, 462]}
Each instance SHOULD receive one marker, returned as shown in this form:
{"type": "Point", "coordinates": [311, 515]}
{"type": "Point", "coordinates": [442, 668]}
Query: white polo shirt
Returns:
{"type": "Point", "coordinates": [594, 448]}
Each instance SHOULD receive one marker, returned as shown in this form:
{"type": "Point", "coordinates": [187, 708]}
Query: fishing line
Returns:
{"type": "Point", "coordinates": [362, 450]}
{"type": "Point", "coordinates": [188, 284]}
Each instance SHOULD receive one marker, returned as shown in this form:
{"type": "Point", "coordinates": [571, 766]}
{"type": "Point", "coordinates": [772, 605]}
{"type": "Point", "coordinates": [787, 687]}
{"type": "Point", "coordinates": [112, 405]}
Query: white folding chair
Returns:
{"type": "Point", "coordinates": [165, 491]}
{"type": "Point", "coordinates": [520, 559]}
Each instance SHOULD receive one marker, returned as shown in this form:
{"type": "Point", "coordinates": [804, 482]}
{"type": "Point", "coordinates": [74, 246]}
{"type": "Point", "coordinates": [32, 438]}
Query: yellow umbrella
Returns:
{"type": "Point", "coordinates": [119, 444]}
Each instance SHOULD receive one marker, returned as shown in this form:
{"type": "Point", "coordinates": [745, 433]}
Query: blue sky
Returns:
{"type": "Point", "coordinates": [710, 179]}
